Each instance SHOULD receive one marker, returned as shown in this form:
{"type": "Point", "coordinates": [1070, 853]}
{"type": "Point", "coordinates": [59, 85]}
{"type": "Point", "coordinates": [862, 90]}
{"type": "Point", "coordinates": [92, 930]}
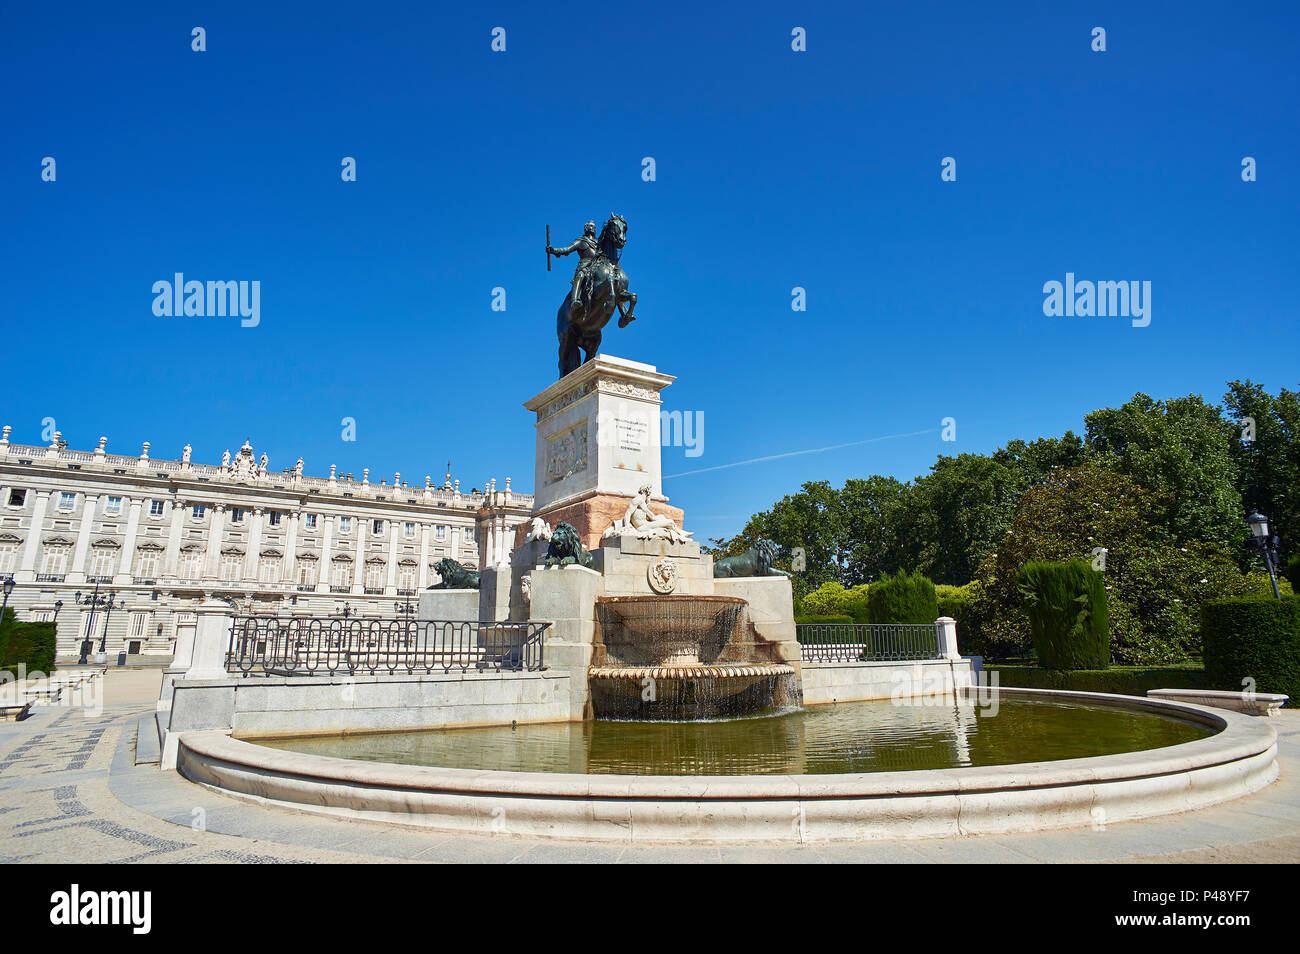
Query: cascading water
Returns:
{"type": "Point", "coordinates": [685, 658]}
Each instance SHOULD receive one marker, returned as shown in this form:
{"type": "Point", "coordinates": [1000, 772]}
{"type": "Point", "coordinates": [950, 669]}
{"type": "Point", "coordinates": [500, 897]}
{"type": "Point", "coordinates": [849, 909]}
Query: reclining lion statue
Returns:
{"type": "Point", "coordinates": [566, 548]}
{"type": "Point", "coordinates": [454, 576]}
{"type": "Point", "coordinates": [756, 561]}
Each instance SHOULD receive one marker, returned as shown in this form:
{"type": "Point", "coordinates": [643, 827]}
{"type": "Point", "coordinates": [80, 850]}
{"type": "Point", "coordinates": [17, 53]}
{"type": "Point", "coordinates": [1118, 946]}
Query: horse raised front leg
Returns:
{"type": "Point", "coordinates": [625, 314]}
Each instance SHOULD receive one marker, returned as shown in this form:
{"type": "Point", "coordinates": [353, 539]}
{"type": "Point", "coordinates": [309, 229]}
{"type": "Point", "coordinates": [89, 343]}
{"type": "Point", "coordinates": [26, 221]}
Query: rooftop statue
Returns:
{"type": "Point", "coordinates": [599, 288]}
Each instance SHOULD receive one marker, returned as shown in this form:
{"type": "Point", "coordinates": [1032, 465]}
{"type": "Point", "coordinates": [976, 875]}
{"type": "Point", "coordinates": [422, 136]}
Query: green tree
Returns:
{"type": "Point", "coordinates": [1268, 466]}
{"type": "Point", "coordinates": [1154, 585]}
{"type": "Point", "coordinates": [1181, 450]}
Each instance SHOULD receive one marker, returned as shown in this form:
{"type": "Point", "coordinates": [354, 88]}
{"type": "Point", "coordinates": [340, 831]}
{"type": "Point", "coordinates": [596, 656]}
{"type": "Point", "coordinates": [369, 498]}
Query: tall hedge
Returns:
{"type": "Point", "coordinates": [1256, 638]}
{"type": "Point", "coordinates": [902, 599]}
{"type": "Point", "coordinates": [31, 644]}
{"type": "Point", "coordinates": [1068, 619]}
{"type": "Point", "coordinates": [1291, 570]}
{"type": "Point", "coordinates": [958, 602]}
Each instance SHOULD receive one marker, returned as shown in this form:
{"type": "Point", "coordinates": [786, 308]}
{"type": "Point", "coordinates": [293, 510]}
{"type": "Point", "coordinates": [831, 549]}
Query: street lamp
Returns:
{"type": "Point", "coordinates": [95, 601]}
{"type": "Point", "coordinates": [1265, 544]}
{"type": "Point", "coordinates": [9, 585]}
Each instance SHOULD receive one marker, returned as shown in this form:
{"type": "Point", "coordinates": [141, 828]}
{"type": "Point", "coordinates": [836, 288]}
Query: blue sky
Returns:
{"type": "Point", "coordinates": [775, 169]}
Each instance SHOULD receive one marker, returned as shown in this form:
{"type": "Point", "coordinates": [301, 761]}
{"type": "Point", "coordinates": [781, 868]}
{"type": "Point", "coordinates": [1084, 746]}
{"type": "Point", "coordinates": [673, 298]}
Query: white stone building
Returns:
{"type": "Point", "coordinates": [163, 534]}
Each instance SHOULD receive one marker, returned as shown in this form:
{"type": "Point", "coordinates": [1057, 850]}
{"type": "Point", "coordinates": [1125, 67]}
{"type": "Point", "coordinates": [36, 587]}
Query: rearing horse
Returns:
{"type": "Point", "coordinates": [606, 291]}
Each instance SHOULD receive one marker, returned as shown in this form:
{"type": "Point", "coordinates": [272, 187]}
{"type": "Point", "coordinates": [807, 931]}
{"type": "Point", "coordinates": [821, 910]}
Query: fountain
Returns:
{"type": "Point", "coordinates": [684, 658]}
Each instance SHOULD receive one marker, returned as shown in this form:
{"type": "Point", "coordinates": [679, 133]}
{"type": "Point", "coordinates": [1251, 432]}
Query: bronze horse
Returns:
{"type": "Point", "coordinates": [606, 291]}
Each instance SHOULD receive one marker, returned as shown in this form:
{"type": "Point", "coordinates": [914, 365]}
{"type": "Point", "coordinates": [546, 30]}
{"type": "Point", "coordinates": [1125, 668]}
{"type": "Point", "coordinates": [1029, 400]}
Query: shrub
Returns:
{"type": "Point", "coordinates": [1125, 680]}
{"type": "Point", "coordinates": [856, 603]}
{"type": "Point", "coordinates": [1253, 638]}
{"type": "Point", "coordinates": [826, 600]}
{"type": "Point", "coordinates": [1066, 606]}
{"type": "Point", "coordinates": [902, 599]}
{"type": "Point", "coordinates": [1291, 570]}
{"type": "Point", "coordinates": [823, 619]}
{"type": "Point", "coordinates": [958, 602]}
{"type": "Point", "coordinates": [28, 644]}
{"type": "Point", "coordinates": [6, 622]}
{"type": "Point", "coordinates": [1154, 587]}
{"type": "Point", "coordinates": [1258, 584]}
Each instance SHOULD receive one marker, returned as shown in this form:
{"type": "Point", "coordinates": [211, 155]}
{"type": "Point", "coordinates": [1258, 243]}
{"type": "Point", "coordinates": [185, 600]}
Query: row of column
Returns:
{"type": "Point", "coordinates": [496, 542]}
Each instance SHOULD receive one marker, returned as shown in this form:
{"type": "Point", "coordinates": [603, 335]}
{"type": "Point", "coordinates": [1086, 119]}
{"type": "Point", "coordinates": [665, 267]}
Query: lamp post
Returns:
{"type": "Point", "coordinates": [1265, 544]}
{"type": "Point", "coordinates": [8, 587]}
{"type": "Point", "coordinates": [94, 601]}
{"type": "Point", "coordinates": [108, 615]}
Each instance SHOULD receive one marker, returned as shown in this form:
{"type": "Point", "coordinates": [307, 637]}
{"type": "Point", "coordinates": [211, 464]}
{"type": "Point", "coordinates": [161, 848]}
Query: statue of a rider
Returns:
{"type": "Point", "coordinates": [587, 250]}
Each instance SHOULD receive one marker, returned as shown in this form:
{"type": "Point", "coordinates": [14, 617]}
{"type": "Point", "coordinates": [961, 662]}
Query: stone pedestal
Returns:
{"type": "Point", "coordinates": [598, 442]}
{"type": "Point", "coordinates": [625, 563]}
{"type": "Point", "coordinates": [566, 597]}
{"type": "Point", "coordinates": [448, 605]}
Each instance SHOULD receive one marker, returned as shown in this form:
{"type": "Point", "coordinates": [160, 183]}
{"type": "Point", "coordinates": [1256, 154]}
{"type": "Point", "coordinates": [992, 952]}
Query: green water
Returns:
{"type": "Point", "coordinates": [849, 737]}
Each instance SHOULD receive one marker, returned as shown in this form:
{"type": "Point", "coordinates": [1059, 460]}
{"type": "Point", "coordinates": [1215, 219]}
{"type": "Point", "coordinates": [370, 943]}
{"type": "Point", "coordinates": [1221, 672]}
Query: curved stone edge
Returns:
{"type": "Point", "coordinates": [1238, 760]}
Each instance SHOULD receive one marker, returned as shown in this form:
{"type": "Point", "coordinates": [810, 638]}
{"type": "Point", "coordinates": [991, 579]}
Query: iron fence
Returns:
{"type": "Point", "coordinates": [304, 646]}
{"type": "Point", "coordinates": [867, 642]}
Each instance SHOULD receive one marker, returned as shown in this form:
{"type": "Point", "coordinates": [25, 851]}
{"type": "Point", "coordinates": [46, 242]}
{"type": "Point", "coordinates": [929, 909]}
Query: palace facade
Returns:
{"type": "Point", "coordinates": [160, 535]}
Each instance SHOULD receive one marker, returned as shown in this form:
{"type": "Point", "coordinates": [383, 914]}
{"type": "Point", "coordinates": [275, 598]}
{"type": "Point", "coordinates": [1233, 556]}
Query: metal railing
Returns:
{"type": "Point", "coordinates": [303, 646]}
{"type": "Point", "coordinates": [867, 642]}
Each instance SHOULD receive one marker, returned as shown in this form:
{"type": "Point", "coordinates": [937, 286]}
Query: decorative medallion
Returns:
{"type": "Point", "coordinates": [662, 575]}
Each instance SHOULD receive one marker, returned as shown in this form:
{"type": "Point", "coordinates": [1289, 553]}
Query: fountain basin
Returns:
{"type": "Point", "coordinates": [1237, 759]}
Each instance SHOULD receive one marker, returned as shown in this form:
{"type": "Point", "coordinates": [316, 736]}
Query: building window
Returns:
{"type": "Point", "coordinates": [345, 524]}
{"type": "Point", "coordinates": [155, 508]}
{"type": "Point", "coordinates": [342, 573]}
{"type": "Point", "coordinates": [148, 568]}
{"type": "Point", "coordinates": [66, 501]}
{"type": "Point", "coordinates": [191, 564]}
{"type": "Point", "coordinates": [440, 533]}
{"type": "Point", "coordinates": [232, 565]}
{"type": "Point", "coordinates": [377, 526]}
{"type": "Point", "coordinates": [198, 511]}
{"type": "Point", "coordinates": [406, 580]}
{"type": "Point", "coordinates": [113, 505]}
{"type": "Point", "coordinates": [138, 624]}
{"type": "Point", "coordinates": [274, 516]}
{"type": "Point", "coordinates": [268, 569]}
{"type": "Point", "coordinates": [374, 577]}
{"type": "Point", "coordinates": [307, 573]}
{"type": "Point", "coordinates": [56, 558]}
{"type": "Point", "coordinates": [237, 515]}
{"type": "Point", "coordinates": [310, 521]}
{"type": "Point", "coordinates": [103, 563]}
{"type": "Point", "coordinates": [17, 497]}
{"type": "Point", "coordinates": [409, 530]}
{"type": "Point", "coordinates": [8, 557]}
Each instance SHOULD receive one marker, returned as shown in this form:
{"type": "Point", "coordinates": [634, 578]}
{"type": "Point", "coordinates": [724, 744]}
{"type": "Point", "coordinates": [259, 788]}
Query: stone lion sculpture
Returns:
{"type": "Point", "coordinates": [566, 548]}
{"type": "Point", "coordinates": [454, 576]}
{"type": "Point", "coordinates": [756, 561]}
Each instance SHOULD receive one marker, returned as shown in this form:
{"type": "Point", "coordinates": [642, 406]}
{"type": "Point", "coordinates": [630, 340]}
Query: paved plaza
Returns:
{"type": "Point", "coordinates": [71, 792]}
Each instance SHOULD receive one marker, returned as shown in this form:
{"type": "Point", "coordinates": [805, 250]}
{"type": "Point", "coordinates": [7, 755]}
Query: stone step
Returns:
{"type": "Point", "coordinates": [147, 749]}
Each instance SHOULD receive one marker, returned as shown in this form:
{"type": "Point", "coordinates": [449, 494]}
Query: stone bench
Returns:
{"type": "Point", "coordinates": [1253, 703]}
{"type": "Point", "coordinates": [14, 711]}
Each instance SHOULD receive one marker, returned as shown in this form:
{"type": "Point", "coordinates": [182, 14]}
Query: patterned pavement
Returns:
{"type": "Point", "coordinates": [70, 792]}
